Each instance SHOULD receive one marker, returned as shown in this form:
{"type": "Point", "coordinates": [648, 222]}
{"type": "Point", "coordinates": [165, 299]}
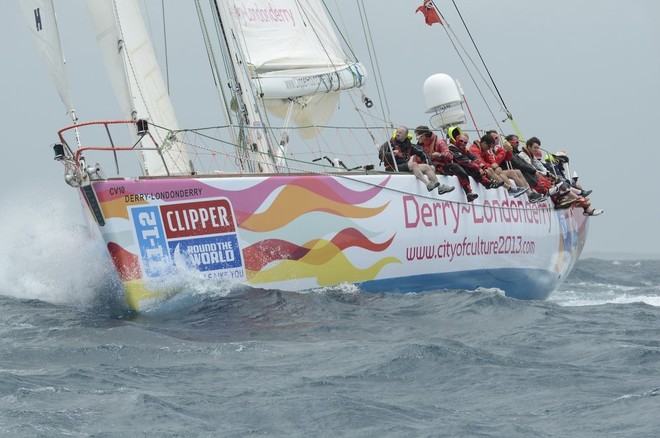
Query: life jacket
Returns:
{"type": "Point", "coordinates": [385, 153]}
{"type": "Point", "coordinates": [406, 148]}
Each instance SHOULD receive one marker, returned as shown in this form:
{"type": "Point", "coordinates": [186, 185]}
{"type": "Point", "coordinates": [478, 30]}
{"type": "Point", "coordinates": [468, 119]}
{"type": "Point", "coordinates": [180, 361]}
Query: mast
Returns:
{"type": "Point", "coordinates": [256, 138]}
{"type": "Point", "coordinates": [287, 62]}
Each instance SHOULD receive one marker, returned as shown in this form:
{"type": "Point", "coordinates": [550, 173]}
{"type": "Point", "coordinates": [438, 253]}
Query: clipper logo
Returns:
{"type": "Point", "coordinates": [199, 235]}
{"type": "Point", "coordinates": [198, 218]}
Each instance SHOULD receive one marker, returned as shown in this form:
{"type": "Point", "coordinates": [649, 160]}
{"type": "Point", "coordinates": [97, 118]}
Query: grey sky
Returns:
{"type": "Point", "coordinates": [582, 75]}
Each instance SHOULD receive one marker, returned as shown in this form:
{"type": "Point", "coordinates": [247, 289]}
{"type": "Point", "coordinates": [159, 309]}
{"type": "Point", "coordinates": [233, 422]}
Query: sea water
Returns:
{"type": "Point", "coordinates": [233, 361]}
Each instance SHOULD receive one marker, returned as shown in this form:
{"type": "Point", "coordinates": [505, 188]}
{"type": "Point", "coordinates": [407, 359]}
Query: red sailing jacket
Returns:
{"type": "Point", "coordinates": [485, 157]}
{"type": "Point", "coordinates": [434, 144]}
{"type": "Point", "coordinates": [502, 155]}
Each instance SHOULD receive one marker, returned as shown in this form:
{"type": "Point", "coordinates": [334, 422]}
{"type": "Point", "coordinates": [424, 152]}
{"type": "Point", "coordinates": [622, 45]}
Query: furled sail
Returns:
{"type": "Point", "coordinates": [293, 53]}
{"type": "Point", "coordinates": [43, 25]}
{"type": "Point", "coordinates": [137, 81]}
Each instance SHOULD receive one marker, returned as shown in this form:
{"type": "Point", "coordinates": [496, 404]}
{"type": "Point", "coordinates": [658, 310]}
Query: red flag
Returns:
{"type": "Point", "coordinates": [430, 14]}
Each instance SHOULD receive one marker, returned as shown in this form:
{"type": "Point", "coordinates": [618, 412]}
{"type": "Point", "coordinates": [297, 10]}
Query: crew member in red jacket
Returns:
{"type": "Point", "coordinates": [464, 158]}
{"type": "Point", "coordinates": [483, 151]}
{"type": "Point", "coordinates": [411, 158]}
{"type": "Point", "coordinates": [443, 159]}
{"type": "Point", "coordinates": [503, 154]}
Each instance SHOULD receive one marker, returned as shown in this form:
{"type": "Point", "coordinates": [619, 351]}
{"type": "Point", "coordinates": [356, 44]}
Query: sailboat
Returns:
{"type": "Point", "coordinates": [277, 196]}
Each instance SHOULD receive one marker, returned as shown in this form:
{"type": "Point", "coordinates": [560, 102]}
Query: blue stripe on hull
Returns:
{"type": "Point", "coordinates": [523, 284]}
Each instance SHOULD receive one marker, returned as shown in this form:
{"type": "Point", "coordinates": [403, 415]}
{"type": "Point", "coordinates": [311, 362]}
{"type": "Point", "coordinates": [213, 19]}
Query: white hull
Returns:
{"type": "Point", "coordinates": [383, 232]}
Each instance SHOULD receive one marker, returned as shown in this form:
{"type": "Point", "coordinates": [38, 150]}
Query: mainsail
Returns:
{"type": "Point", "coordinates": [137, 81]}
{"type": "Point", "coordinates": [292, 52]}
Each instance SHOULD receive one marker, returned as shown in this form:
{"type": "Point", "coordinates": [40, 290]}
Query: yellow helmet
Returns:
{"type": "Point", "coordinates": [409, 135]}
{"type": "Point", "coordinates": [453, 132]}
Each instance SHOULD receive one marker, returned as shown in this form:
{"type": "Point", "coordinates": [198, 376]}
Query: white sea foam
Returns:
{"type": "Point", "coordinates": [47, 254]}
{"type": "Point", "coordinates": [344, 288]}
{"type": "Point", "coordinates": [613, 294]}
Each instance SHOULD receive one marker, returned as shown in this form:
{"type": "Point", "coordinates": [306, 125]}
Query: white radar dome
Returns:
{"type": "Point", "coordinates": [444, 98]}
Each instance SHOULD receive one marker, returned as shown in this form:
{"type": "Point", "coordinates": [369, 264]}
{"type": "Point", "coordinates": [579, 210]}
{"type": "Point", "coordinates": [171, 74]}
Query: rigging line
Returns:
{"type": "Point", "coordinates": [469, 72]}
{"type": "Point", "coordinates": [474, 64]}
{"type": "Point", "coordinates": [455, 42]}
{"type": "Point", "coordinates": [343, 25]}
{"type": "Point", "coordinates": [519, 205]}
{"type": "Point", "coordinates": [213, 65]}
{"type": "Point", "coordinates": [147, 11]}
{"type": "Point", "coordinates": [474, 122]}
{"type": "Point", "coordinates": [230, 71]}
{"type": "Point", "coordinates": [213, 62]}
{"type": "Point", "coordinates": [348, 176]}
{"type": "Point", "coordinates": [371, 134]}
{"type": "Point", "coordinates": [382, 96]}
{"type": "Point", "coordinates": [480, 57]}
{"type": "Point", "coordinates": [303, 12]}
{"type": "Point", "coordinates": [263, 113]}
{"type": "Point", "coordinates": [129, 69]}
{"type": "Point", "coordinates": [240, 47]}
{"type": "Point", "coordinates": [226, 61]}
{"type": "Point", "coordinates": [167, 61]}
{"type": "Point", "coordinates": [334, 22]}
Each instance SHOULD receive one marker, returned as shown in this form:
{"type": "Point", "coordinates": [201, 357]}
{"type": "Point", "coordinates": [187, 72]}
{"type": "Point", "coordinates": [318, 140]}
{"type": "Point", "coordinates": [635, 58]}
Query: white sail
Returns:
{"type": "Point", "coordinates": [136, 78]}
{"type": "Point", "coordinates": [293, 52]}
{"type": "Point", "coordinates": [40, 15]}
